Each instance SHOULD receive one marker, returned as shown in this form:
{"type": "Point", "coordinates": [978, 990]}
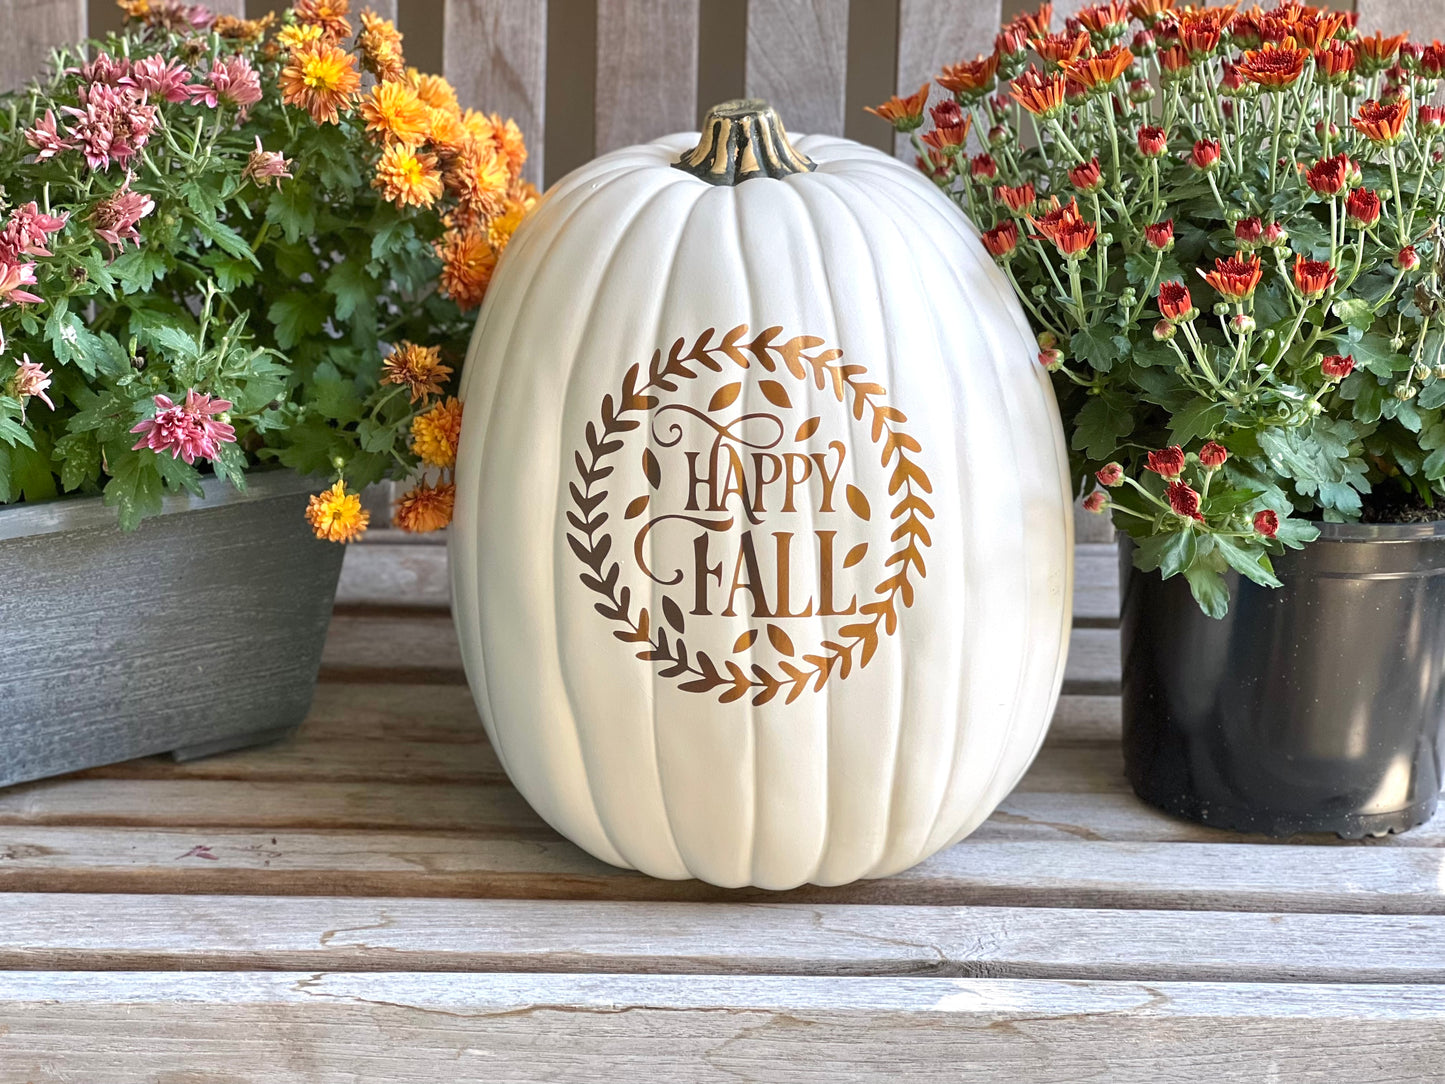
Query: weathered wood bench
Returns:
{"type": "Point", "coordinates": [371, 901]}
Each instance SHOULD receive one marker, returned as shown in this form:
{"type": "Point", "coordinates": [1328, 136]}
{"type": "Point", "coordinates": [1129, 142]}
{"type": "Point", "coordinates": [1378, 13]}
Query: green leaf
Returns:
{"type": "Point", "coordinates": [1209, 591]}
{"type": "Point", "coordinates": [1355, 312]}
{"type": "Point", "coordinates": [228, 240]}
{"type": "Point", "coordinates": [134, 489]}
{"type": "Point", "coordinates": [293, 208]}
{"type": "Point", "coordinates": [31, 475]}
{"type": "Point", "coordinates": [1104, 421]}
{"type": "Point", "coordinates": [1248, 560]}
{"type": "Point", "coordinates": [138, 269]}
{"type": "Point", "coordinates": [1170, 553]}
{"type": "Point", "coordinates": [1098, 348]}
{"type": "Point", "coordinates": [79, 455]}
{"type": "Point", "coordinates": [336, 399]}
{"type": "Point", "coordinates": [1197, 419]}
{"type": "Point", "coordinates": [353, 287]}
{"type": "Point", "coordinates": [297, 315]}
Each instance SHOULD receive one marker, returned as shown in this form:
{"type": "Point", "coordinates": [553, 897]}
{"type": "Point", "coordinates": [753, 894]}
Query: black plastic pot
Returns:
{"type": "Point", "coordinates": [1315, 707]}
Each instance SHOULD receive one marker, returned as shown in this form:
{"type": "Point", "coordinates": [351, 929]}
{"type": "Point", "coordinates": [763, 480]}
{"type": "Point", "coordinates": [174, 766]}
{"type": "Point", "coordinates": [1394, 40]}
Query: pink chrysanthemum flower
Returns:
{"type": "Point", "coordinates": [27, 232]}
{"type": "Point", "coordinates": [160, 77]}
{"type": "Point", "coordinates": [114, 217]}
{"type": "Point", "coordinates": [264, 166]}
{"type": "Point", "coordinates": [45, 137]}
{"type": "Point", "coordinates": [113, 123]}
{"type": "Point", "coordinates": [231, 81]}
{"type": "Point", "coordinates": [31, 379]}
{"type": "Point", "coordinates": [12, 277]}
{"type": "Point", "coordinates": [187, 430]}
{"type": "Point", "coordinates": [105, 69]}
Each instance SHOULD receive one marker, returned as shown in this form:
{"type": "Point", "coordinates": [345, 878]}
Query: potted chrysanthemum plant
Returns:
{"type": "Point", "coordinates": [237, 259]}
{"type": "Point", "coordinates": [1226, 229]}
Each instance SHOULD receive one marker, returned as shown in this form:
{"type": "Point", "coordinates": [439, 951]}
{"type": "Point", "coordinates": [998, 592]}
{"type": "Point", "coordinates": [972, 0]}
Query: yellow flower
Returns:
{"type": "Point", "coordinates": [425, 508]}
{"type": "Point", "coordinates": [134, 9]}
{"type": "Point", "coordinates": [248, 31]}
{"type": "Point", "coordinates": [380, 46]}
{"type": "Point", "coordinates": [322, 79]}
{"type": "Point", "coordinates": [395, 112]}
{"type": "Point", "coordinates": [434, 434]}
{"type": "Point", "coordinates": [478, 177]}
{"type": "Point", "coordinates": [418, 367]}
{"type": "Point", "coordinates": [408, 177]}
{"type": "Point", "coordinates": [296, 35]}
{"type": "Point", "coordinates": [336, 515]}
{"type": "Point", "coordinates": [510, 142]}
{"type": "Point", "coordinates": [501, 228]}
{"type": "Point", "coordinates": [467, 265]}
{"type": "Point", "coordinates": [444, 130]}
{"type": "Point", "coordinates": [434, 90]}
{"type": "Point", "coordinates": [330, 15]}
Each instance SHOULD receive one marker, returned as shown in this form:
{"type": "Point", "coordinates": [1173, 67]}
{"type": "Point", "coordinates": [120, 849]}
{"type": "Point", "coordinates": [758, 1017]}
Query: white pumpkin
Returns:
{"type": "Point", "coordinates": [762, 557]}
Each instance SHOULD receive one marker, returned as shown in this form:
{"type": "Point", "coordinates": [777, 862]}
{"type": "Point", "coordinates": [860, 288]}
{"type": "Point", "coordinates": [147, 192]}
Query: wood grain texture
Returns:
{"type": "Point", "coordinates": [330, 1028]}
{"type": "Point", "coordinates": [932, 33]}
{"type": "Point", "coordinates": [223, 933]}
{"type": "Point", "coordinates": [646, 70]}
{"type": "Point", "coordinates": [495, 54]}
{"type": "Point", "coordinates": [391, 574]}
{"type": "Point", "coordinates": [1070, 873]}
{"type": "Point", "coordinates": [797, 59]}
{"type": "Point", "coordinates": [1424, 19]}
{"type": "Point", "coordinates": [32, 29]}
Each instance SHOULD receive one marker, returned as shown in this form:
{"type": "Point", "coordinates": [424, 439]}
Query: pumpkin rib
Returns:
{"type": "Point", "coordinates": [1000, 780]}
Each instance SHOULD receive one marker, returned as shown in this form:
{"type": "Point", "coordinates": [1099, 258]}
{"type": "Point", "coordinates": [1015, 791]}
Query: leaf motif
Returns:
{"type": "Point", "coordinates": [638, 506]}
{"type": "Point", "coordinates": [855, 555]}
{"type": "Point", "coordinates": [651, 468]}
{"type": "Point", "coordinates": [780, 641]}
{"type": "Point", "coordinates": [725, 396]}
{"type": "Point", "coordinates": [745, 641]}
{"type": "Point", "coordinates": [672, 612]}
{"type": "Point", "coordinates": [775, 393]}
{"type": "Point", "coordinates": [857, 501]}
{"type": "Point", "coordinates": [807, 429]}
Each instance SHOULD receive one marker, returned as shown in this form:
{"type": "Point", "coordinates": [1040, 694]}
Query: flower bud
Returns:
{"type": "Point", "coordinates": [1221, 308]}
{"type": "Point", "coordinates": [1205, 155]}
{"type": "Point", "coordinates": [1047, 340]}
{"type": "Point", "coordinates": [1153, 141]}
{"type": "Point", "coordinates": [1440, 372]}
{"type": "Point", "coordinates": [1110, 474]}
{"type": "Point", "coordinates": [1275, 235]}
{"type": "Point", "coordinates": [1212, 456]}
{"type": "Point", "coordinates": [1407, 259]}
{"type": "Point", "coordinates": [998, 135]}
{"type": "Point", "coordinates": [1140, 91]}
{"type": "Point", "coordinates": [1267, 522]}
{"type": "Point", "coordinates": [1160, 235]}
{"type": "Point", "coordinates": [1051, 359]}
{"type": "Point", "coordinates": [1404, 391]}
{"type": "Point", "coordinates": [1164, 331]}
{"type": "Point", "coordinates": [1096, 502]}
{"type": "Point", "coordinates": [1422, 371]}
{"type": "Point", "coordinates": [1242, 323]}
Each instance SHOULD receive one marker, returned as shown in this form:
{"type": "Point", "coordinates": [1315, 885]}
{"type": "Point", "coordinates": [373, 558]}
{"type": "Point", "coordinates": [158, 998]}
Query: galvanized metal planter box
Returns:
{"type": "Point", "coordinates": [197, 633]}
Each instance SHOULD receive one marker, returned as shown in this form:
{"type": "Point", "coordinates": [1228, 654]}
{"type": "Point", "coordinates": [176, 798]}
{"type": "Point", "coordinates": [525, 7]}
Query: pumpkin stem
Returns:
{"type": "Point", "coordinates": [743, 139]}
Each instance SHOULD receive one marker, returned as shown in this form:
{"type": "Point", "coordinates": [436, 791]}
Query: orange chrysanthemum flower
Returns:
{"type": "Point", "coordinates": [336, 515]}
{"type": "Point", "coordinates": [1057, 48]}
{"type": "Point", "coordinates": [248, 31]}
{"type": "Point", "coordinates": [1382, 123]}
{"type": "Point", "coordinates": [905, 114]}
{"type": "Point", "coordinates": [425, 508]}
{"type": "Point", "coordinates": [479, 177]}
{"type": "Point", "coordinates": [467, 265]}
{"type": "Point", "coordinates": [329, 15]}
{"type": "Point", "coordinates": [1036, 24]}
{"type": "Point", "coordinates": [1199, 31]}
{"type": "Point", "coordinates": [1067, 229]}
{"type": "Point", "coordinates": [1335, 63]}
{"type": "Point", "coordinates": [408, 177]}
{"type": "Point", "coordinates": [969, 78]}
{"type": "Point", "coordinates": [434, 90]}
{"type": "Point", "coordinates": [444, 131]}
{"type": "Point", "coordinates": [322, 79]}
{"type": "Point", "coordinates": [380, 45]}
{"type": "Point", "coordinates": [1313, 278]}
{"type": "Point", "coordinates": [502, 226]}
{"type": "Point", "coordinates": [1234, 279]}
{"type": "Point", "coordinates": [1274, 66]}
{"type": "Point", "coordinates": [1107, 19]}
{"type": "Point", "coordinates": [1043, 96]}
{"type": "Point", "coordinates": [434, 435]}
{"type": "Point", "coordinates": [1148, 11]}
{"type": "Point", "coordinates": [1378, 52]}
{"type": "Point", "coordinates": [1102, 69]}
{"type": "Point", "coordinates": [396, 114]}
{"type": "Point", "coordinates": [1315, 31]}
{"type": "Point", "coordinates": [418, 368]}
{"type": "Point", "coordinates": [510, 142]}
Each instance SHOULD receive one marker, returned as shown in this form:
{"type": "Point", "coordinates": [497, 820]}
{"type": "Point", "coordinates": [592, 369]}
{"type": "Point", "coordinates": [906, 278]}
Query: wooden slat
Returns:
{"type": "Point", "coordinates": [932, 33]}
{"type": "Point", "coordinates": [495, 55]}
{"type": "Point", "coordinates": [205, 933]}
{"type": "Point", "coordinates": [317, 1028]}
{"type": "Point", "coordinates": [423, 648]}
{"type": "Point", "coordinates": [1156, 876]}
{"type": "Point", "coordinates": [646, 70]}
{"type": "Point", "coordinates": [1424, 19]}
{"type": "Point", "coordinates": [797, 59]}
{"type": "Point", "coordinates": [32, 29]}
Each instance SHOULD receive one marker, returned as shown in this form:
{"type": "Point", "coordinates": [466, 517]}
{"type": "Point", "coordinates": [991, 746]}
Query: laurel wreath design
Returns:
{"type": "Point", "coordinates": [593, 546]}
